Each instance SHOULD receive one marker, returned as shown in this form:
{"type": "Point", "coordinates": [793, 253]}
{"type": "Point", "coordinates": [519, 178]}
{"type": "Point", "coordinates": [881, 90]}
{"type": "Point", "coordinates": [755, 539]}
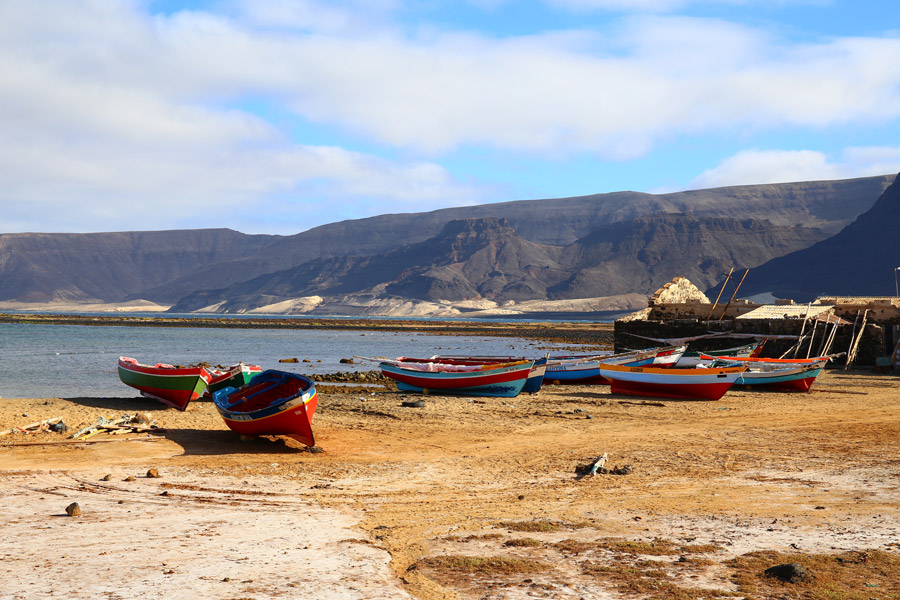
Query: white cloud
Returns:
{"type": "Point", "coordinates": [107, 110]}
{"type": "Point", "coordinates": [784, 166]}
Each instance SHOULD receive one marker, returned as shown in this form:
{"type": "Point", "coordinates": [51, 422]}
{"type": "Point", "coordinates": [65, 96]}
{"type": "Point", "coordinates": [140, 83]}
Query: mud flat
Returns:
{"type": "Point", "coordinates": [463, 498]}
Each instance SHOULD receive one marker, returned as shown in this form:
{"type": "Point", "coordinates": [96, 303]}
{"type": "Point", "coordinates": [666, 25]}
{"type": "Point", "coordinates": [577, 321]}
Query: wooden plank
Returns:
{"type": "Point", "coordinates": [77, 442]}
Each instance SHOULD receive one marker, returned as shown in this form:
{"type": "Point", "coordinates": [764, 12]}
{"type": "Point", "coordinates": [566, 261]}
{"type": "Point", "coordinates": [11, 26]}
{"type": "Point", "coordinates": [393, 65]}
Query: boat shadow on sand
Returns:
{"type": "Point", "coordinates": [196, 442]}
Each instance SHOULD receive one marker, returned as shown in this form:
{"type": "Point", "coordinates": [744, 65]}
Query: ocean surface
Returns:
{"type": "Point", "coordinates": [72, 361]}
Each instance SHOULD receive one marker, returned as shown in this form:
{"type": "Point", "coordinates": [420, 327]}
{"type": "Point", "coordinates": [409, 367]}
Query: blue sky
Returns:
{"type": "Point", "coordinates": [275, 116]}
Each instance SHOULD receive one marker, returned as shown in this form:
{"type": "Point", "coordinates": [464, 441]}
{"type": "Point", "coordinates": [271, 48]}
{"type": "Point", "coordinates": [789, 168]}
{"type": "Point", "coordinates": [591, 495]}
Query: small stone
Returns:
{"type": "Point", "coordinates": [164, 493]}
{"type": "Point", "coordinates": [346, 361]}
{"type": "Point", "coordinates": [73, 510]}
{"type": "Point", "coordinates": [153, 473]}
{"type": "Point", "coordinates": [288, 360]}
{"type": "Point", "coordinates": [316, 450]}
{"type": "Point", "coordinates": [521, 496]}
{"type": "Point", "coordinates": [129, 478]}
{"type": "Point", "coordinates": [25, 415]}
{"type": "Point", "coordinates": [106, 477]}
{"type": "Point", "coordinates": [59, 427]}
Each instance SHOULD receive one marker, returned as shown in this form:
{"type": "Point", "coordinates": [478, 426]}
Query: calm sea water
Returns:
{"type": "Point", "coordinates": [48, 361]}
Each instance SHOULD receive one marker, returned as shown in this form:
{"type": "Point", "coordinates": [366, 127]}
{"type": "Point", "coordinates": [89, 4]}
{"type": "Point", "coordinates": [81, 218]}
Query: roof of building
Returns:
{"type": "Point", "coordinates": [787, 311]}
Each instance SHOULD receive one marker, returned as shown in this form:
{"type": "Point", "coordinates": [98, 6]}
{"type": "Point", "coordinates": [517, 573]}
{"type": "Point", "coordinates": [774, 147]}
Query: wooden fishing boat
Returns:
{"type": "Point", "coordinates": [688, 384]}
{"type": "Point", "coordinates": [693, 358]}
{"type": "Point", "coordinates": [668, 357]}
{"type": "Point", "coordinates": [495, 379]}
{"type": "Point", "coordinates": [235, 376]}
{"type": "Point", "coordinates": [171, 385]}
{"type": "Point", "coordinates": [707, 358]}
{"type": "Point", "coordinates": [272, 403]}
{"type": "Point", "coordinates": [532, 383]}
{"type": "Point", "coordinates": [783, 377]}
{"type": "Point", "coordinates": [583, 370]}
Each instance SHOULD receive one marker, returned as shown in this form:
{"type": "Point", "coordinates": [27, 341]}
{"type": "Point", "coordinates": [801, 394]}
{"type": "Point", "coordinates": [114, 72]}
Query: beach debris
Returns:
{"type": "Point", "coordinates": [413, 403]}
{"type": "Point", "coordinates": [33, 427]}
{"type": "Point", "coordinates": [598, 464]}
{"type": "Point", "coordinates": [789, 572]}
{"type": "Point", "coordinates": [128, 423]}
{"type": "Point", "coordinates": [153, 473]}
{"type": "Point", "coordinates": [73, 510]}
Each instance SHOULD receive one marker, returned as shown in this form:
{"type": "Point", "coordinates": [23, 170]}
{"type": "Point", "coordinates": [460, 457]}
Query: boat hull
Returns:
{"type": "Point", "coordinates": [682, 384]}
{"type": "Point", "coordinates": [273, 403]}
{"type": "Point", "coordinates": [173, 386]}
{"type": "Point", "coordinates": [783, 380]}
{"type": "Point", "coordinates": [532, 384]}
{"type": "Point", "coordinates": [236, 376]}
{"type": "Point", "coordinates": [506, 382]}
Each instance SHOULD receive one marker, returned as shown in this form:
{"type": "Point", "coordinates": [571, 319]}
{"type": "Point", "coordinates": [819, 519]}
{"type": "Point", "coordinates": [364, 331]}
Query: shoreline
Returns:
{"type": "Point", "coordinates": [597, 334]}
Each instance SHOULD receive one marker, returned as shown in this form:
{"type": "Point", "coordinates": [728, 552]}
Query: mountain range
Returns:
{"type": "Point", "coordinates": [500, 254]}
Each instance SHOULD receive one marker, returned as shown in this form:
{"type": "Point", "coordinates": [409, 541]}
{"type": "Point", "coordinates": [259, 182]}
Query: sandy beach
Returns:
{"type": "Point", "coordinates": [462, 498]}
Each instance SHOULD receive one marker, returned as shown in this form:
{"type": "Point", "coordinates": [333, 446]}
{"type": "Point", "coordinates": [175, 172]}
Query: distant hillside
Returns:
{"type": "Point", "coordinates": [858, 261]}
{"type": "Point", "coordinates": [486, 259]}
{"type": "Point", "coordinates": [110, 267]}
{"type": "Point", "coordinates": [623, 242]}
{"type": "Point", "coordinates": [826, 205]}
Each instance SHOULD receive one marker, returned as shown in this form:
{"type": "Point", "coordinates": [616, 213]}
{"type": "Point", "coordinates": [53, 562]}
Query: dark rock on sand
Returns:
{"type": "Point", "coordinates": [73, 510]}
{"type": "Point", "coordinates": [789, 572]}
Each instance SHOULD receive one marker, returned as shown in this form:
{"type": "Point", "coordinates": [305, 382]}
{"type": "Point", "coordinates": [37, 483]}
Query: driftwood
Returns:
{"type": "Point", "coordinates": [125, 424]}
{"type": "Point", "coordinates": [40, 426]}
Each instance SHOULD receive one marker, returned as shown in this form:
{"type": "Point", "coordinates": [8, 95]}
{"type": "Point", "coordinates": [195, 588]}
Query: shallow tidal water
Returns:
{"type": "Point", "coordinates": [49, 361]}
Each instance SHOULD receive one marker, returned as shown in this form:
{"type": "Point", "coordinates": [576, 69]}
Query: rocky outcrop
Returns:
{"type": "Point", "coordinates": [678, 291]}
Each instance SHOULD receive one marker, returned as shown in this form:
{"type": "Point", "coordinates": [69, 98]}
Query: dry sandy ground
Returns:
{"type": "Point", "coordinates": [228, 519]}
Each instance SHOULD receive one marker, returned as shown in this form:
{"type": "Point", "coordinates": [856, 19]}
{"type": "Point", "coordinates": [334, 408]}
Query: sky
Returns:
{"type": "Point", "coordinates": [276, 116]}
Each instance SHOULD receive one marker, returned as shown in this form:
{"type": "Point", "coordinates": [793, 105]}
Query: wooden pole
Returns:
{"type": "Point", "coordinates": [716, 303]}
{"type": "Point", "coordinates": [852, 335]}
{"type": "Point", "coordinates": [812, 337]}
{"type": "Point", "coordinates": [802, 330]}
{"type": "Point", "coordinates": [862, 328]}
{"type": "Point", "coordinates": [827, 339]}
{"type": "Point", "coordinates": [724, 310]}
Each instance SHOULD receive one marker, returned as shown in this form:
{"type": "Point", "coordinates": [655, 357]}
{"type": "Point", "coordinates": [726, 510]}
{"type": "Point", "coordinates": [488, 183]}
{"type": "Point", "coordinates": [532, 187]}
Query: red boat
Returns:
{"type": "Point", "coordinates": [686, 384]}
{"type": "Point", "coordinates": [171, 385]}
{"type": "Point", "coordinates": [273, 403]}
